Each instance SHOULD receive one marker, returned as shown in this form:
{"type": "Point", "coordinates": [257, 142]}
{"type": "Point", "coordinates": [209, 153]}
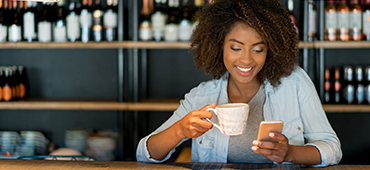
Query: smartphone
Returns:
{"type": "Point", "coordinates": [269, 126]}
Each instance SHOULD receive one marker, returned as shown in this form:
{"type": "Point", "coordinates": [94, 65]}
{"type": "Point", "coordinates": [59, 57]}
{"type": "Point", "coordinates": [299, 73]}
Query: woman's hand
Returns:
{"type": "Point", "coordinates": [272, 150]}
{"type": "Point", "coordinates": [193, 125]}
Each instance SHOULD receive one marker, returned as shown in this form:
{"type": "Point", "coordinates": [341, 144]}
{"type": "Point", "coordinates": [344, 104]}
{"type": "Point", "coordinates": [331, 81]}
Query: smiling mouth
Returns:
{"type": "Point", "coordinates": [244, 69]}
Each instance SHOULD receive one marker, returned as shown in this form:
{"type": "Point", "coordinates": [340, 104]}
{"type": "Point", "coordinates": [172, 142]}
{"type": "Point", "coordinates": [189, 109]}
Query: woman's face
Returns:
{"type": "Point", "coordinates": [244, 54]}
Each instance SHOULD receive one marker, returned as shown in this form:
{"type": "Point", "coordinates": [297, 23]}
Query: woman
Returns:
{"type": "Point", "coordinates": [250, 49]}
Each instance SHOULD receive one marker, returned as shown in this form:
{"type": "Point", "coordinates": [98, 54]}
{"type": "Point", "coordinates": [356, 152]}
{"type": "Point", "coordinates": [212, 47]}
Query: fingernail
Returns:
{"type": "Point", "coordinates": [254, 148]}
{"type": "Point", "coordinates": [271, 134]}
{"type": "Point", "coordinates": [255, 142]}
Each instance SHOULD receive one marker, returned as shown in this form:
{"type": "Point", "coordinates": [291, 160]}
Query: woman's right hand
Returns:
{"type": "Point", "coordinates": [193, 124]}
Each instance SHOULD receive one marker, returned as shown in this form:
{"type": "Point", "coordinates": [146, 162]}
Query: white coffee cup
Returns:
{"type": "Point", "coordinates": [232, 118]}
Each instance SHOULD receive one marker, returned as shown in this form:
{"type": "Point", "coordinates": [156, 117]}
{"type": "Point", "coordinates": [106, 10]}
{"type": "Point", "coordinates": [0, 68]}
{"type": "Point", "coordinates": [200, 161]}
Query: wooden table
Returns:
{"type": "Point", "coordinates": [112, 165]}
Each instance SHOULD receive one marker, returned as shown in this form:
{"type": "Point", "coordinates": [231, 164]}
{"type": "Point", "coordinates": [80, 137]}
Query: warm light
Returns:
{"type": "Point", "coordinates": [41, 0]}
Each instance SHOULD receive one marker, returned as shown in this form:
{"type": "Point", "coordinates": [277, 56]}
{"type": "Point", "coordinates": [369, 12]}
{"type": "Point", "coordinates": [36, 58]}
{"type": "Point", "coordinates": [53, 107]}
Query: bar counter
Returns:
{"type": "Point", "coordinates": [112, 165]}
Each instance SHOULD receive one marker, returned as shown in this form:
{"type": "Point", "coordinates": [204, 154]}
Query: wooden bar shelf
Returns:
{"type": "Point", "coordinates": [152, 105]}
{"type": "Point", "coordinates": [341, 44]}
{"type": "Point", "coordinates": [108, 45]}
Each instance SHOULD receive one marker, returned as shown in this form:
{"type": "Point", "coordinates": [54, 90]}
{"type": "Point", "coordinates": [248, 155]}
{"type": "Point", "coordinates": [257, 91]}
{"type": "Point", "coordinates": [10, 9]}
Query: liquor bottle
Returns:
{"type": "Point", "coordinates": [330, 21]}
{"type": "Point", "coordinates": [343, 21]}
{"type": "Point", "coordinates": [327, 86]}
{"type": "Point", "coordinates": [349, 89]}
{"type": "Point", "coordinates": [312, 15]}
{"type": "Point", "coordinates": [3, 27]}
{"type": "Point", "coordinates": [171, 29]}
{"type": "Point", "coordinates": [198, 6]}
{"type": "Point", "coordinates": [145, 28]}
{"type": "Point", "coordinates": [44, 25]}
{"type": "Point", "coordinates": [366, 20]}
{"type": "Point", "coordinates": [15, 81]}
{"type": "Point", "coordinates": [158, 19]}
{"type": "Point", "coordinates": [23, 83]}
{"type": "Point", "coordinates": [337, 86]}
{"type": "Point", "coordinates": [110, 20]}
{"type": "Point", "coordinates": [359, 85]}
{"type": "Point", "coordinates": [97, 27]}
{"type": "Point", "coordinates": [60, 31]}
{"type": "Point", "coordinates": [355, 23]}
{"type": "Point", "coordinates": [73, 21]}
{"type": "Point", "coordinates": [185, 26]}
{"type": "Point", "coordinates": [292, 17]}
{"type": "Point", "coordinates": [86, 20]}
{"type": "Point", "coordinates": [14, 30]}
{"type": "Point", "coordinates": [29, 32]}
{"type": "Point", "coordinates": [7, 89]}
{"type": "Point", "coordinates": [367, 85]}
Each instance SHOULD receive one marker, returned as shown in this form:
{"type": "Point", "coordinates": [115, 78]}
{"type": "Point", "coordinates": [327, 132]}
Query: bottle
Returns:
{"type": "Point", "coordinates": [145, 28]}
{"type": "Point", "coordinates": [327, 86]}
{"type": "Point", "coordinates": [23, 82]}
{"type": "Point", "coordinates": [349, 89]}
{"type": "Point", "coordinates": [158, 19]}
{"type": "Point", "coordinates": [73, 21]}
{"type": "Point", "coordinates": [86, 20]}
{"type": "Point", "coordinates": [44, 25]}
{"type": "Point", "coordinates": [110, 20]}
{"type": "Point", "coordinates": [171, 29]}
{"type": "Point", "coordinates": [367, 85]}
{"type": "Point", "coordinates": [1, 82]}
{"type": "Point", "coordinates": [366, 20]}
{"type": "Point", "coordinates": [29, 33]}
{"type": "Point", "coordinates": [337, 86]}
{"type": "Point", "coordinates": [185, 26]}
{"type": "Point", "coordinates": [97, 27]}
{"type": "Point", "coordinates": [292, 17]}
{"type": "Point", "coordinates": [15, 28]}
{"type": "Point", "coordinates": [343, 21]}
{"type": "Point", "coordinates": [3, 27]}
{"type": "Point", "coordinates": [359, 85]}
{"type": "Point", "coordinates": [7, 89]}
{"type": "Point", "coordinates": [355, 23]}
{"type": "Point", "coordinates": [330, 21]}
{"type": "Point", "coordinates": [60, 26]}
{"type": "Point", "coordinates": [198, 6]}
{"type": "Point", "coordinates": [312, 17]}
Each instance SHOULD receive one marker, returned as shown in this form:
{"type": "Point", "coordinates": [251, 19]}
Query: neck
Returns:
{"type": "Point", "coordinates": [242, 93]}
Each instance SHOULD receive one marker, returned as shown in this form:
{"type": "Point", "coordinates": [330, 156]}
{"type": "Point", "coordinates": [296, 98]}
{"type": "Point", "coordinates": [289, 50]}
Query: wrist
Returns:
{"type": "Point", "coordinates": [289, 157]}
{"type": "Point", "coordinates": [178, 131]}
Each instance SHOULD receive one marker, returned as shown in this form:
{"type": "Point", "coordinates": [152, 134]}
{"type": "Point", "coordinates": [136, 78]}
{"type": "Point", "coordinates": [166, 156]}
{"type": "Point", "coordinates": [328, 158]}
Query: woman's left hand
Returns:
{"type": "Point", "coordinates": [276, 151]}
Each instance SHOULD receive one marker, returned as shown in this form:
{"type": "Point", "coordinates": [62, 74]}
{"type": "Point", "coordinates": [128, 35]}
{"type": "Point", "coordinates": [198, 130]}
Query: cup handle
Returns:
{"type": "Point", "coordinates": [214, 124]}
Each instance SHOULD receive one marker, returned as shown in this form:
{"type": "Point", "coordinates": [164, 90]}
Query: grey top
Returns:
{"type": "Point", "coordinates": [240, 145]}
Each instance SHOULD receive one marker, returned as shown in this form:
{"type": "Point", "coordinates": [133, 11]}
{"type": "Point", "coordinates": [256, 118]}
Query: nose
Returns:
{"type": "Point", "coordinates": [246, 58]}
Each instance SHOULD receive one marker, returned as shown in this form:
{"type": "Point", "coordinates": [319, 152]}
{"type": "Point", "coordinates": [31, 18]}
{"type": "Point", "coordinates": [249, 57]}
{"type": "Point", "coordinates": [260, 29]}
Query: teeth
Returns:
{"type": "Point", "coordinates": [244, 69]}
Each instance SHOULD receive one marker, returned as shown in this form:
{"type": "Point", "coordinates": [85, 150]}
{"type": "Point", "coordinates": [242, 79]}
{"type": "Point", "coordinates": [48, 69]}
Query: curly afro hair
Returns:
{"type": "Point", "coordinates": [268, 17]}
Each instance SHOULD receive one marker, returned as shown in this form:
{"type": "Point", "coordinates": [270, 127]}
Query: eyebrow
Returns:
{"type": "Point", "coordinates": [243, 43]}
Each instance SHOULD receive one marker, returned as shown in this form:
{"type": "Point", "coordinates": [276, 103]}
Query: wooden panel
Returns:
{"type": "Point", "coordinates": [342, 44]}
{"type": "Point", "coordinates": [346, 108]}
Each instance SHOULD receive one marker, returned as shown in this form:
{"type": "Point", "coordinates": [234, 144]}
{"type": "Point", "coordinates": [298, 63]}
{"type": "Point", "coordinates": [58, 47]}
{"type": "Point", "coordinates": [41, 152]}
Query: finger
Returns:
{"type": "Point", "coordinates": [278, 136]}
{"type": "Point", "coordinates": [208, 106]}
{"type": "Point", "coordinates": [266, 144]}
{"type": "Point", "coordinates": [202, 114]}
{"type": "Point", "coordinates": [202, 128]}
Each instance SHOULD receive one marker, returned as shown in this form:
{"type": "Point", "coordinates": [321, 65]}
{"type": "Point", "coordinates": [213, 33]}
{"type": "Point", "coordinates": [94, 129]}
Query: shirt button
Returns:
{"type": "Point", "coordinates": [299, 128]}
{"type": "Point", "coordinates": [200, 142]}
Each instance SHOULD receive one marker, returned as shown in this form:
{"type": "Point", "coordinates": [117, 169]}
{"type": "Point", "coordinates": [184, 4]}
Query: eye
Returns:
{"type": "Point", "coordinates": [235, 49]}
{"type": "Point", "coordinates": [258, 51]}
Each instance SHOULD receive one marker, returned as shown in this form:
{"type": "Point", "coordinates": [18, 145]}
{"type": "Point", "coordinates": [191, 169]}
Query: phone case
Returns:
{"type": "Point", "coordinates": [269, 126]}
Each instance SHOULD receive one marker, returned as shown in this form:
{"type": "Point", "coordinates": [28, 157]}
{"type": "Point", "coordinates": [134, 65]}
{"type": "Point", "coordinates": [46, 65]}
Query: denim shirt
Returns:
{"type": "Point", "coordinates": [294, 101]}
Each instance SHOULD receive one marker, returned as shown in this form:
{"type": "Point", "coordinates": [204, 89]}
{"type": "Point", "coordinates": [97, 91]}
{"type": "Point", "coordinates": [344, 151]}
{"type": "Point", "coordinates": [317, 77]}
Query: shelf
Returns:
{"type": "Point", "coordinates": [341, 44]}
{"type": "Point", "coordinates": [108, 45]}
{"type": "Point", "coordinates": [335, 108]}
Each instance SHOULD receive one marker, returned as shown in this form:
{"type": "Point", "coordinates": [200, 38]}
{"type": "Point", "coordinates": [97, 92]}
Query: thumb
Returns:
{"type": "Point", "coordinates": [208, 106]}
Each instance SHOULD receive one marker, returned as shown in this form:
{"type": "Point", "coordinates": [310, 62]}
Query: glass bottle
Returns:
{"type": "Point", "coordinates": [171, 29]}
{"type": "Point", "coordinates": [198, 6]}
{"type": "Point", "coordinates": [359, 85]}
{"type": "Point", "coordinates": [349, 89]}
{"type": "Point", "coordinates": [312, 18]}
{"type": "Point", "coordinates": [97, 27]}
{"type": "Point", "coordinates": [185, 26]}
{"type": "Point", "coordinates": [110, 20]}
{"type": "Point", "coordinates": [292, 17]}
{"type": "Point", "coordinates": [367, 85]}
{"type": "Point", "coordinates": [1, 82]}
{"type": "Point", "coordinates": [158, 19]}
{"type": "Point", "coordinates": [3, 26]}
{"type": "Point", "coordinates": [366, 20]}
{"type": "Point", "coordinates": [7, 89]}
{"type": "Point", "coordinates": [343, 20]}
{"type": "Point", "coordinates": [330, 21]}
{"type": "Point", "coordinates": [23, 83]}
{"type": "Point", "coordinates": [355, 23]}
{"type": "Point", "coordinates": [44, 25]}
{"type": "Point", "coordinates": [337, 86]}
{"type": "Point", "coordinates": [73, 23]}
{"type": "Point", "coordinates": [145, 28]}
{"type": "Point", "coordinates": [60, 26]}
{"type": "Point", "coordinates": [29, 32]}
{"type": "Point", "coordinates": [14, 30]}
{"type": "Point", "coordinates": [86, 20]}
{"type": "Point", "coordinates": [327, 86]}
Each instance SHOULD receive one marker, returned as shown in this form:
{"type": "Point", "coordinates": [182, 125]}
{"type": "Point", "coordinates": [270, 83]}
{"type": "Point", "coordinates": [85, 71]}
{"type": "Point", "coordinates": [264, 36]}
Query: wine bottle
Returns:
{"type": "Point", "coordinates": [366, 20]}
{"type": "Point", "coordinates": [110, 20]}
{"type": "Point", "coordinates": [60, 31]}
{"type": "Point", "coordinates": [29, 21]}
{"type": "Point", "coordinates": [3, 26]}
{"type": "Point", "coordinates": [158, 19]}
{"type": "Point", "coordinates": [349, 89]}
{"type": "Point", "coordinates": [185, 26]}
{"type": "Point", "coordinates": [73, 23]}
{"type": "Point", "coordinates": [343, 21]}
{"type": "Point", "coordinates": [97, 27]}
{"type": "Point", "coordinates": [359, 91]}
{"type": "Point", "coordinates": [171, 29]}
{"type": "Point", "coordinates": [14, 30]}
{"type": "Point", "coordinates": [292, 17]}
{"type": "Point", "coordinates": [337, 86]}
{"type": "Point", "coordinates": [198, 6]}
{"type": "Point", "coordinates": [327, 86]}
{"type": "Point", "coordinates": [330, 21]}
{"type": "Point", "coordinates": [312, 17]}
{"type": "Point", "coordinates": [145, 27]}
{"type": "Point", "coordinates": [44, 25]}
{"type": "Point", "coordinates": [86, 20]}
{"type": "Point", "coordinates": [355, 23]}
{"type": "Point", "coordinates": [23, 82]}
{"type": "Point", "coordinates": [367, 85]}
{"type": "Point", "coordinates": [7, 89]}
